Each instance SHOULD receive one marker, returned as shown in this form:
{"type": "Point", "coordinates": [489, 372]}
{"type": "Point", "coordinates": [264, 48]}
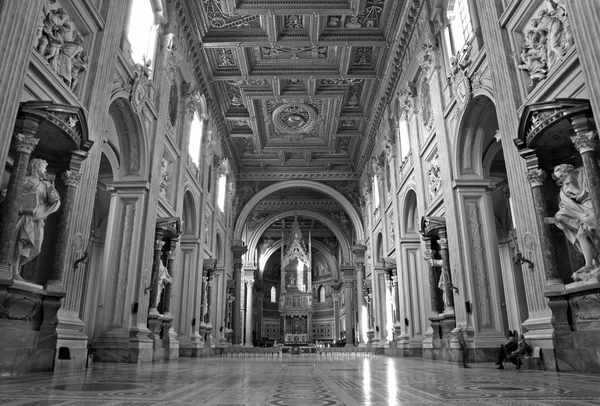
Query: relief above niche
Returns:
{"type": "Point", "coordinates": [60, 43]}
{"type": "Point", "coordinates": [548, 37]}
{"type": "Point", "coordinates": [434, 178]}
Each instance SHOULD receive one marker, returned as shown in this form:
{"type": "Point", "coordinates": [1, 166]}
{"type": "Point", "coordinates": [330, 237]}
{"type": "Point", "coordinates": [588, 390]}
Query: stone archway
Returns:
{"type": "Point", "coordinates": [320, 187]}
{"type": "Point", "coordinates": [333, 226]}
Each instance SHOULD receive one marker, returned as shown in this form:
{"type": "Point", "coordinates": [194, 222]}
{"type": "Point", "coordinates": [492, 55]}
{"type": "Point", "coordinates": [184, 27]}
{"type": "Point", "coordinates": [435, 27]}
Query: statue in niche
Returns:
{"type": "Point", "coordinates": [39, 199]}
{"type": "Point", "coordinates": [442, 285]}
{"type": "Point", "coordinates": [435, 178]}
{"type": "Point", "coordinates": [165, 176]}
{"type": "Point", "coordinates": [576, 218]}
{"type": "Point", "coordinates": [164, 278]}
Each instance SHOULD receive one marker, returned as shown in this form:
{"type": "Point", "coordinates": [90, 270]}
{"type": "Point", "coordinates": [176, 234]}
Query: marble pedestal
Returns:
{"type": "Point", "coordinates": [28, 332]}
{"type": "Point", "coordinates": [440, 348]}
{"type": "Point", "coordinates": [576, 322]}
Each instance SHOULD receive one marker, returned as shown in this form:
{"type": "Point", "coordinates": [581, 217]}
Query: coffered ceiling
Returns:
{"type": "Point", "coordinates": [296, 82]}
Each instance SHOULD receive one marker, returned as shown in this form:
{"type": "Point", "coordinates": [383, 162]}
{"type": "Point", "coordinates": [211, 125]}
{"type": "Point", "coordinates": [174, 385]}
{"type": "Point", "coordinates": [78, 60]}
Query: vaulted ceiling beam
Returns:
{"type": "Point", "coordinates": [233, 41]}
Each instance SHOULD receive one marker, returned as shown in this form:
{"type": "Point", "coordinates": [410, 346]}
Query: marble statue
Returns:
{"type": "Point", "coordinates": [165, 177]}
{"type": "Point", "coordinates": [39, 199]}
{"type": "Point", "coordinates": [164, 278]}
{"type": "Point", "coordinates": [442, 285]}
{"type": "Point", "coordinates": [576, 218]}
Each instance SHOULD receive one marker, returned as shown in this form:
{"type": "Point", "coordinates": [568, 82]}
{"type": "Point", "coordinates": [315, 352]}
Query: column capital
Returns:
{"type": "Point", "coordinates": [24, 143]}
{"type": "Point", "coordinates": [171, 254]}
{"type": "Point", "coordinates": [158, 244]}
{"type": "Point", "coordinates": [585, 141]}
{"type": "Point", "coordinates": [238, 249]}
{"type": "Point", "coordinates": [71, 179]}
{"type": "Point", "coordinates": [428, 254]}
{"type": "Point", "coordinates": [443, 242]}
{"type": "Point", "coordinates": [536, 177]}
{"type": "Point", "coordinates": [250, 282]}
{"type": "Point", "coordinates": [359, 253]}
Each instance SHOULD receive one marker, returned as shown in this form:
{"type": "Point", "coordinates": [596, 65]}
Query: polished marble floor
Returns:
{"type": "Point", "coordinates": [300, 380]}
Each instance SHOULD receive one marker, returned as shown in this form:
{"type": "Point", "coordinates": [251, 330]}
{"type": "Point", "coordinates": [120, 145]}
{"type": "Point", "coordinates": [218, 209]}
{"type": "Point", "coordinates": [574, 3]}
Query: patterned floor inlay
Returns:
{"type": "Point", "coordinates": [301, 381]}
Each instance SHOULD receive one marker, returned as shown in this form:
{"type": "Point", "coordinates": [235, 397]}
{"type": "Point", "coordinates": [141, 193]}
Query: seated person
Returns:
{"type": "Point", "coordinates": [506, 349]}
{"type": "Point", "coordinates": [515, 356]}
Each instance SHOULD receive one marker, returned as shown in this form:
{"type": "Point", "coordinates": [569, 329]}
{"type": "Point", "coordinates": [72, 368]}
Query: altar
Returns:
{"type": "Point", "coordinates": [296, 338]}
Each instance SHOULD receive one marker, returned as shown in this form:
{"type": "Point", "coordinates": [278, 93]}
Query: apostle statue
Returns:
{"type": "Point", "coordinates": [576, 218]}
{"type": "Point", "coordinates": [38, 200]}
{"type": "Point", "coordinates": [164, 278]}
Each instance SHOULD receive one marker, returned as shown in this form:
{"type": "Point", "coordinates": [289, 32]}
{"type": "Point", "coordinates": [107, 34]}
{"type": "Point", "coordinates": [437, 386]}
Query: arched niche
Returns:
{"type": "Point", "coordinates": [320, 187]}
{"type": "Point", "coordinates": [410, 215]}
{"type": "Point", "coordinates": [326, 220]}
{"type": "Point", "coordinates": [476, 132]}
{"type": "Point", "coordinates": [219, 249]}
{"type": "Point", "coordinates": [126, 136]}
{"type": "Point", "coordinates": [189, 217]}
{"type": "Point", "coordinates": [379, 249]}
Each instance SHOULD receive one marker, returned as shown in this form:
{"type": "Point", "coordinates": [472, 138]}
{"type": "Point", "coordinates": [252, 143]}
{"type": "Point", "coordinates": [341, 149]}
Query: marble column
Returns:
{"type": "Point", "coordinates": [585, 27]}
{"type": "Point", "coordinates": [24, 146]}
{"type": "Point", "coordinates": [364, 325]}
{"type": "Point", "coordinates": [210, 276]}
{"type": "Point", "coordinates": [238, 250]}
{"type": "Point", "coordinates": [536, 178]}
{"type": "Point", "coordinates": [260, 295]}
{"type": "Point", "coordinates": [396, 298]}
{"type": "Point", "coordinates": [249, 298]}
{"type": "Point", "coordinates": [158, 246]}
{"type": "Point", "coordinates": [586, 142]}
{"type": "Point", "coordinates": [448, 291]}
{"type": "Point", "coordinates": [19, 23]}
{"type": "Point", "coordinates": [204, 300]}
{"type": "Point", "coordinates": [336, 315]}
{"type": "Point", "coordinates": [348, 293]}
{"type": "Point", "coordinates": [436, 303]}
{"type": "Point", "coordinates": [61, 247]}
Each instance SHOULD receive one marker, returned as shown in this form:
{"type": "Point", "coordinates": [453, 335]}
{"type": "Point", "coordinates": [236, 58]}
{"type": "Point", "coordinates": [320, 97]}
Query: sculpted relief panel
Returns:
{"type": "Point", "coordinates": [548, 37]}
{"type": "Point", "coordinates": [60, 43]}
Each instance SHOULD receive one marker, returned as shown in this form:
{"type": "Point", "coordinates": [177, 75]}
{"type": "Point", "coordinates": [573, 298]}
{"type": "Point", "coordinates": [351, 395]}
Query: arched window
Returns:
{"type": "Point", "coordinates": [404, 139]}
{"type": "Point", "coordinates": [375, 192]}
{"type": "Point", "coordinates": [273, 294]}
{"type": "Point", "coordinates": [196, 139]}
{"type": "Point", "coordinates": [221, 192]}
{"type": "Point", "coordinates": [459, 29]}
{"type": "Point", "coordinates": [142, 32]}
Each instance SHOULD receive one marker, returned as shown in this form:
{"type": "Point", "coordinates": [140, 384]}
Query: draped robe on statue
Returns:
{"type": "Point", "coordinates": [576, 215]}
{"type": "Point", "coordinates": [38, 201]}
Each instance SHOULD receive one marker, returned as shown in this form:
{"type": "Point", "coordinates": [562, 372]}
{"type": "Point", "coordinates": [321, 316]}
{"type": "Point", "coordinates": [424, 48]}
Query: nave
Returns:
{"type": "Point", "coordinates": [301, 380]}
